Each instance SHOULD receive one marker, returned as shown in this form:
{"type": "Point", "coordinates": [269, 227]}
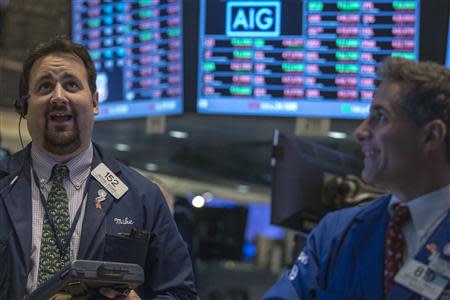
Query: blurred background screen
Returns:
{"type": "Point", "coordinates": [137, 48]}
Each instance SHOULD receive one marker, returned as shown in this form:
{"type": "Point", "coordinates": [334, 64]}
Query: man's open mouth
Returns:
{"type": "Point", "coordinates": [60, 117]}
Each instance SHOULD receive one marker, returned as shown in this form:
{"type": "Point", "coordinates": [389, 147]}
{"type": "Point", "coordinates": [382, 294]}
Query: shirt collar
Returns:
{"type": "Point", "coordinates": [426, 209]}
{"type": "Point", "coordinates": [79, 166]}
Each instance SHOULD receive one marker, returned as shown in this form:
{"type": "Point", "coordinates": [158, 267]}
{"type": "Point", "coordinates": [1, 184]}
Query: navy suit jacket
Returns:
{"type": "Point", "coordinates": [168, 269]}
{"type": "Point", "coordinates": [343, 258]}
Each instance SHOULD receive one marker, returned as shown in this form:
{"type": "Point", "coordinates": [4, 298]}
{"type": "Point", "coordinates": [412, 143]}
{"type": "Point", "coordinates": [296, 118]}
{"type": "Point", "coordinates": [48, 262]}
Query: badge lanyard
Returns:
{"type": "Point", "coordinates": [61, 244]}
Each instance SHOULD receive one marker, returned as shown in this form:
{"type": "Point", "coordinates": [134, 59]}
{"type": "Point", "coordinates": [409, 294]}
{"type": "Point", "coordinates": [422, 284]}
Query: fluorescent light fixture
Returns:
{"type": "Point", "coordinates": [242, 188]}
{"type": "Point", "coordinates": [151, 167]}
{"type": "Point", "coordinates": [208, 196]}
{"type": "Point", "coordinates": [337, 135]}
{"type": "Point", "coordinates": [178, 134]}
{"type": "Point", "coordinates": [122, 147]}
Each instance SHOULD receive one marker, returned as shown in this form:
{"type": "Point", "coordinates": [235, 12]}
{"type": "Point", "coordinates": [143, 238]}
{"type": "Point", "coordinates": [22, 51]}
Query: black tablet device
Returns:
{"type": "Point", "coordinates": [81, 277]}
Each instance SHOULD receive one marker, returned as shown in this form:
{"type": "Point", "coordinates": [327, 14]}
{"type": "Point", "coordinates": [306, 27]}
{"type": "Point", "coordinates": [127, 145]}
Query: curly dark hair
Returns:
{"type": "Point", "coordinates": [425, 94]}
{"type": "Point", "coordinates": [59, 45]}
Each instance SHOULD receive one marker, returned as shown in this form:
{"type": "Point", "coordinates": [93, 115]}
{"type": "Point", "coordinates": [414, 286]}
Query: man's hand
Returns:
{"type": "Point", "coordinates": [65, 296]}
{"type": "Point", "coordinates": [116, 295]}
{"type": "Point", "coordinates": [61, 296]}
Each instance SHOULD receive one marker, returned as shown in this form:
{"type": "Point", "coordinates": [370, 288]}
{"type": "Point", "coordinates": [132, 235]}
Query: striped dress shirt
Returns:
{"type": "Point", "coordinates": [79, 171]}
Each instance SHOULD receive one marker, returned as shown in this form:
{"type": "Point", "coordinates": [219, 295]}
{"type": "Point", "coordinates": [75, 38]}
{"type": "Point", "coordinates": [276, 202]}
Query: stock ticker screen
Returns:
{"type": "Point", "coordinates": [137, 51]}
{"type": "Point", "coordinates": [447, 50]}
{"type": "Point", "coordinates": [299, 58]}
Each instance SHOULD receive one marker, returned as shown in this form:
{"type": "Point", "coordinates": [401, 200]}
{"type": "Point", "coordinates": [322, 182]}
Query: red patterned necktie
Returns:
{"type": "Point", "coordinates": [394, 245]}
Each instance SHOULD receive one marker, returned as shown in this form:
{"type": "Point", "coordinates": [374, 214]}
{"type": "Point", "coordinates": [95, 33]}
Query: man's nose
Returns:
{"type": "Point", "coordinates": [58, 95]}
{"type": "Point", "coordinates": [362, 131]}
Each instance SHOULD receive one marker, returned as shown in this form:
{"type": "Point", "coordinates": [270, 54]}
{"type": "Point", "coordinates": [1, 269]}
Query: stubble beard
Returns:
{"type": "Point", "coordinates": [61, 140]}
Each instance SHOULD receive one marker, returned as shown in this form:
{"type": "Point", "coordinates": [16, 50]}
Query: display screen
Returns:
{"type": "Point", "coordinates": [299, 58]}
{"type": "Point", "coordinates": [447, 54]}
{"type": "Point", "coordinates": [137, 50]}
{"type": "Point", "coordinates": [243, 233]}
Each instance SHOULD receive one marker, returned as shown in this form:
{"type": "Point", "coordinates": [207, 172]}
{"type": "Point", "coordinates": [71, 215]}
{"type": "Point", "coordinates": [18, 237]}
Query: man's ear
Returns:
{"type": "Point", "coordinates": [435, 133]}
{"type": "Point", "coordinates": [95, 102]}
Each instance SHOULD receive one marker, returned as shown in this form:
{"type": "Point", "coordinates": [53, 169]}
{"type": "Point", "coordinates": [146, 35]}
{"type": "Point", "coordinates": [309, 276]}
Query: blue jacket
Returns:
{"type": "Point", "coordinates": [343, 258]}
{"type": "Point", "coordinates": [168, 270]}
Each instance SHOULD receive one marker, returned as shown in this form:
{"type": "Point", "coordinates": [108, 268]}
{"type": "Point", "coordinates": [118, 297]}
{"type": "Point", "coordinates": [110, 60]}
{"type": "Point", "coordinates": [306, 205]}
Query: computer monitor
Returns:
{"type": "Point", "coordinates": [310, 179]}
{"type": "Point", "coordinates": [219, 232]}
{"type": "Point", "coordinates": [237, 225]}
{"type": "Point", "coordinates": [299, 58]}
{"type": "Point", "coordinates": [447, 54]}
{"type": "Point", "coordinates": [137, 49]}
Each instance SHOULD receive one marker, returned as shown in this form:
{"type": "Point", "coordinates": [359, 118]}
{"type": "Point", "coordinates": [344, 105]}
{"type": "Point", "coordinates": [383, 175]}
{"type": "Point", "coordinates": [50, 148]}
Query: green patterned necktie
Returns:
{"type": "Point", "coordinates": [51, 260]}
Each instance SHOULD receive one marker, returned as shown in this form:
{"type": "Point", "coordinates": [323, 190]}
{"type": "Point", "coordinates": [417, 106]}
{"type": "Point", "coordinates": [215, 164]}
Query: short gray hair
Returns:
{"type": "Point", "coordinates": [425, 94]}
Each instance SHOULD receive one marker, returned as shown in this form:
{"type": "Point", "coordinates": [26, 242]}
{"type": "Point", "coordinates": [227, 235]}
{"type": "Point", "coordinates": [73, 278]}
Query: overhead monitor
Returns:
{"type": "Point", "coordinates": [447, 54]}
{"type": "Point", "coordinates": [137, 50]}
{"type": "Point", "coordinates": [299, 57]}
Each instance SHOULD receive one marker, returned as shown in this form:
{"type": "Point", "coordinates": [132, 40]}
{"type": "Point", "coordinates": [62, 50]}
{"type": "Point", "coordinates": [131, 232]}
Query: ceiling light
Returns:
{"type": "Point", "coordinates": [208, 196]}
{"type": "Point", "coordinates": [242, 188]}
{"type": "Point", "coordinates": [178, 134]}
{"type": "Point", "coordinates": [122, 147]}
{"type": "Point", "coordinates": [198, 201]}
{"type": "Point", "coordinates": [337, 135]}
{"type": "Point", "coordinates": [151, 167]}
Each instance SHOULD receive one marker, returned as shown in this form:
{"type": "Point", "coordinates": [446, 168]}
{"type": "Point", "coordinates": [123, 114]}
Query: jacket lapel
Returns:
{"type": "Point", "coordinates": [367, 239]}
{"type": "Point", "coordinates": [93, 231]}
{"type": "Point", "coordinates": [17, 199]}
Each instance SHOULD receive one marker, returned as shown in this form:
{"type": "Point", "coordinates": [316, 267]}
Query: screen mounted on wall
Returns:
{"type": "Point", "coordinates": [137, 50]}
{"type": "Point", "coordinates": [299, 58]}
{"type": "Point", "coordinates": [447, 54]}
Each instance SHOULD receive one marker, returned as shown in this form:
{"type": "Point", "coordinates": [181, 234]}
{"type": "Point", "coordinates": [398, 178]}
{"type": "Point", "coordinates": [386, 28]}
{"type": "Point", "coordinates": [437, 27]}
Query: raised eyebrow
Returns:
{"type": "Point", "coordinates": [44, 76]}
{"type": "Point", "coordinates": [47, 75]}
{"type": "Point", "coordinates": [375, 107]}
{"type": "Point", "coordinates": [69, 75]}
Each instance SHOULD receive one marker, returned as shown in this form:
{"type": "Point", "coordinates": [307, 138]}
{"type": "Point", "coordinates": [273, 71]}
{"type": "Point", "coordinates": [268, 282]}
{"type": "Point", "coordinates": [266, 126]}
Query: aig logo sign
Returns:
{"type": "Point", "coordinates": [253, 18]}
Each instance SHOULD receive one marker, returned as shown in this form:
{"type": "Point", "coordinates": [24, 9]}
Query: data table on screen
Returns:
{"type": "Point", "coordinates": [299, 58]}
{"type": "Point", "coordinates": [137, 51]}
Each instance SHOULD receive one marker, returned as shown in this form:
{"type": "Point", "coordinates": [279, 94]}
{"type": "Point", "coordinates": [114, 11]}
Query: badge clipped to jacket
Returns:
{"type": "Point", "coordinates": [428, 280]}
{"type": "Point", "coordinates": [110, 182]}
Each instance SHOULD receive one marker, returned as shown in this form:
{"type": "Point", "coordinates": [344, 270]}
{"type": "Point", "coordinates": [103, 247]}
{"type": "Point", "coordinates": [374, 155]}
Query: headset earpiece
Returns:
{"type": "Point", "coordinates": [21, 104]}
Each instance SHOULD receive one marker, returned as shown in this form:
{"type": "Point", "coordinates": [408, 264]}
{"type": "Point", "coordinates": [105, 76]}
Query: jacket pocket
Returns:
{"type": "Point", "coordinates": [125, 249]}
